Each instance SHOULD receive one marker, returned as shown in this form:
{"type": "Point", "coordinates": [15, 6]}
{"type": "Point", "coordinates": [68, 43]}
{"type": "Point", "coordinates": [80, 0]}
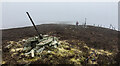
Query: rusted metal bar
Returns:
{"type": "Point", "coordinates": [34, 26]}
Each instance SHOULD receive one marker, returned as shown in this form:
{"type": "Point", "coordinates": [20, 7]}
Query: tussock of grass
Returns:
{"type": "Point", "coordinates": [65, 53]}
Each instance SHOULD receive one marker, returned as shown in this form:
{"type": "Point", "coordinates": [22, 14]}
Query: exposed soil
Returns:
{"type": "Point", "coordinates": [93, 37]}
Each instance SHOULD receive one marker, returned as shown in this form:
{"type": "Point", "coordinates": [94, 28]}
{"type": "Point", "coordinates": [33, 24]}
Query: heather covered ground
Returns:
{"type": "Point", "coordinates": [77, 44]}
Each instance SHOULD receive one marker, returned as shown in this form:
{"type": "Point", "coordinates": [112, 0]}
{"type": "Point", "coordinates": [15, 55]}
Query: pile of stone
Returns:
{"type": "Point", "coordinates": [34, 46]}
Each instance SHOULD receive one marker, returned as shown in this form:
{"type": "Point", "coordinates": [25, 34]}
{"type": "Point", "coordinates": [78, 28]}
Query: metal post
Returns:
{"type": "Point", "coordinates": [34, 26]}
{"type": "Point", "coordinates": [85, 20]}
{"type": "Point", "coordinates": [85, 23]}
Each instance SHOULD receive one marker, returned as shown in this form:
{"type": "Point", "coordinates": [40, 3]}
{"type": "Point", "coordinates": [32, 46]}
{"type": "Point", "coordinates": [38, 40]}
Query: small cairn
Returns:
{"type": "Point", "coordinates": [35, 46]}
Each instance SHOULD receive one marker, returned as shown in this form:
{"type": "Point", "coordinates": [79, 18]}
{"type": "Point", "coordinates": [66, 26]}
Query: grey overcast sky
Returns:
{"type": "Point", "coordinates": [102, 13]}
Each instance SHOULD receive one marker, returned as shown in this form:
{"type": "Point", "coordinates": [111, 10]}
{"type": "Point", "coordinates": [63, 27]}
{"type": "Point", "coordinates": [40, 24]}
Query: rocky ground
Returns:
{"type": "Point", "coordinates": [78, 45]}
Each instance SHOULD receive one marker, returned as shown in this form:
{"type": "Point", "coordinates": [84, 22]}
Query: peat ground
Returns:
{"type": "Point", "coordinates": [94, 37]}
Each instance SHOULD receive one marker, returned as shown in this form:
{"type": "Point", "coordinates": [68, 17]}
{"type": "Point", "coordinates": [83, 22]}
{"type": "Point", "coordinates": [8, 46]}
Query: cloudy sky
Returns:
{"type": "Point", "coordinates": [102, 13]}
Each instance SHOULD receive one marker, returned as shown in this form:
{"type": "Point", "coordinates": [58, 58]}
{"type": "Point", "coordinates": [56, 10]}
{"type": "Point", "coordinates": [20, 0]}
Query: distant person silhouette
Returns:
{"type": "Point", "coordinates": [77, 23]}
